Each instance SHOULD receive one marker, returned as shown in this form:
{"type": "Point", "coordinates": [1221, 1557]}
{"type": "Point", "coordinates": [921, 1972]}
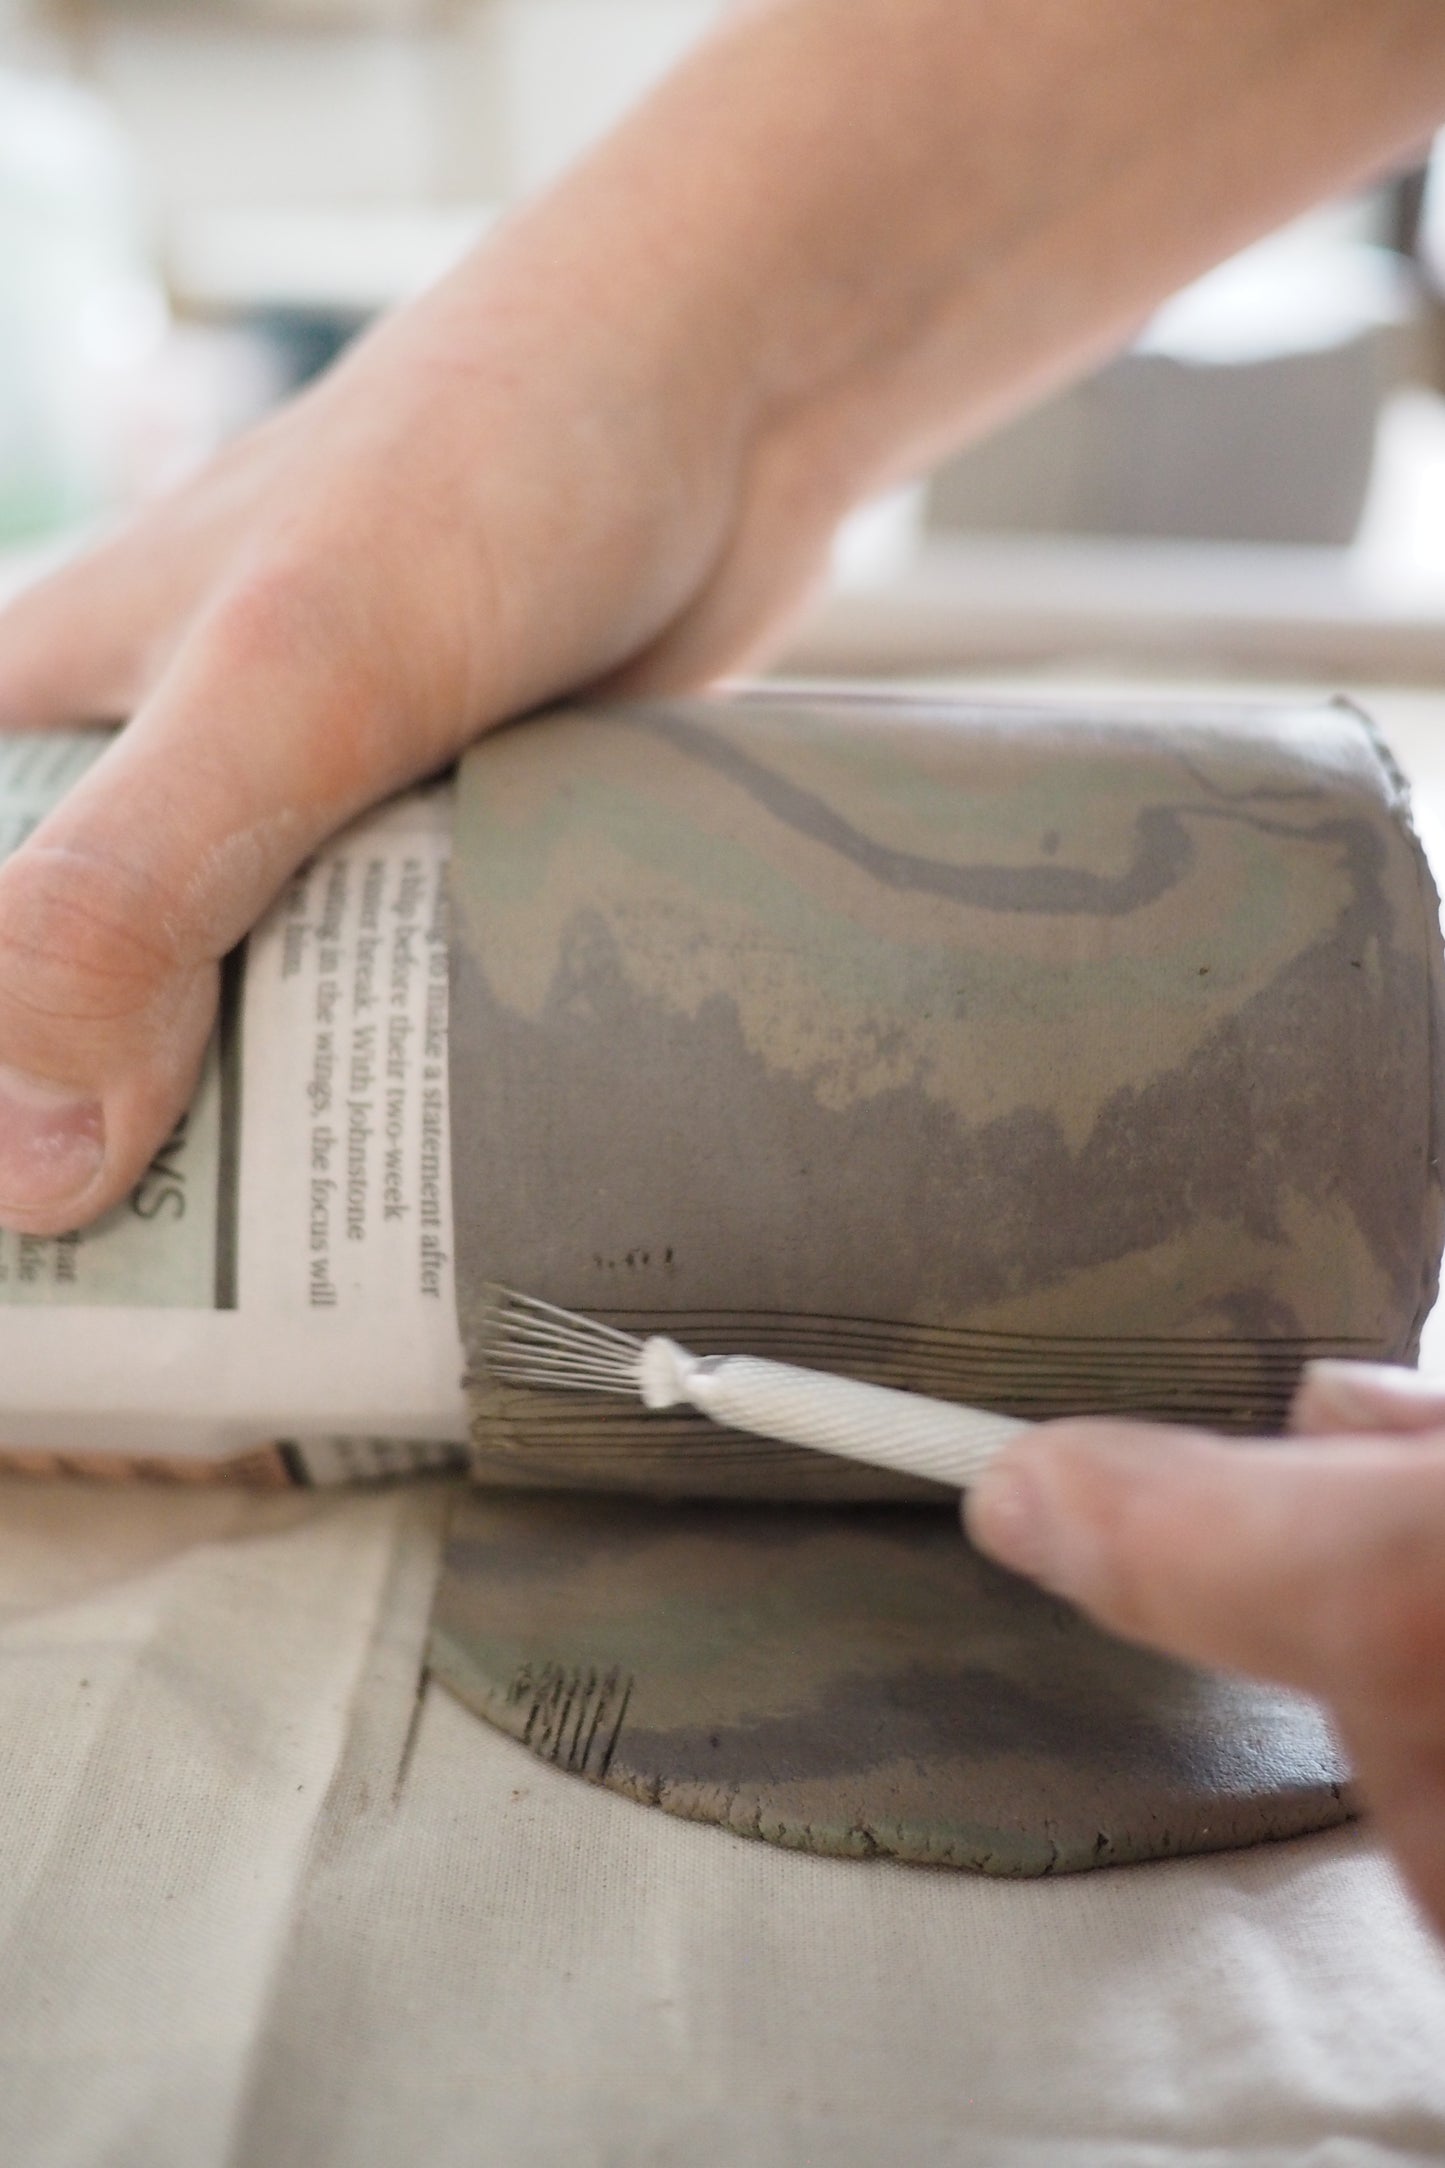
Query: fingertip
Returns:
{"type": "Point", "coordinates": [1161, 1535]}
{"type": "Point", "coordinates": [1006, 1515]}
{"type": "Point", "coordinates": [1049, 1505]}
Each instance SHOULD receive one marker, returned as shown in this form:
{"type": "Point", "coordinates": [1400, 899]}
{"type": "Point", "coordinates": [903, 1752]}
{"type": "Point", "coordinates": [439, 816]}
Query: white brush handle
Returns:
{"type": "Point", "coordinates": [933, 1438]}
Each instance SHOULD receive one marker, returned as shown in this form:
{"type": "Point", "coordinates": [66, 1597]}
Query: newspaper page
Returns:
{"type": "Point", "coordinates": [274, 1300]}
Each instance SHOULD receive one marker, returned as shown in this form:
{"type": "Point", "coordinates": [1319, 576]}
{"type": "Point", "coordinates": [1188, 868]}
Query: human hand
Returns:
{"type": "Point", "coordinates": [835, 242]}
{"type": "Point", "coordinates": [516, 488]}
{"type": "Point", "coordinates": [1320, 1564]}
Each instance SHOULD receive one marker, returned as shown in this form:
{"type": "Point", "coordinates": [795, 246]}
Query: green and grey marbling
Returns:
{"type": "Point", "coordinates": [1054, 1062]}
{"type": "Point", "coordinates": [857, 1682]}
{"type": "Point", "coordinates": [1058, 1062]}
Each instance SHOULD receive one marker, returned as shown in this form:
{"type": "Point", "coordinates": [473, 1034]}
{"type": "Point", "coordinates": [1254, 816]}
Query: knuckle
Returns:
{"type": "Point", "coordinates": [276, 607]}
{"type": "Point", "coordinates": [84, 937]}
{"type": "Point", "coordinates": [341, 665]}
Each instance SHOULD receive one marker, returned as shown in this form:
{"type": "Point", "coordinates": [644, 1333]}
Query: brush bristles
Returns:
{"type": "Point", "coordinates": [530, 1342]}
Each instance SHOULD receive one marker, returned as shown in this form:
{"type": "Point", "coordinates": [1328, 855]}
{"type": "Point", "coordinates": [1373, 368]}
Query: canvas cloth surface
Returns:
{"type": "Point", "coordinates": [262, 1907]}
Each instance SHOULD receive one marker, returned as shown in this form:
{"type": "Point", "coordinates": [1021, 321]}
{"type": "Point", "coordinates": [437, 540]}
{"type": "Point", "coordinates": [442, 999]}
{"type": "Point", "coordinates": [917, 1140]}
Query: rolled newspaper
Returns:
{"type": "Point", "coordinates": [275, 1299]}
{"type": "Point", "coordinates": [1044, 1060]}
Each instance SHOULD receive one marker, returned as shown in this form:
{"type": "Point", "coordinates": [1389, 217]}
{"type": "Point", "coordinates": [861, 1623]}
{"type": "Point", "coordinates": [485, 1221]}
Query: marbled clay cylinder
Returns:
{"type": "Point", "coordinates": [1056, 1061]}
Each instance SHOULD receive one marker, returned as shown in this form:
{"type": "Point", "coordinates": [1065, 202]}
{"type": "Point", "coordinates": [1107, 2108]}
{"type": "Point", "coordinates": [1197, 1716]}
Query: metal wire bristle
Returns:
{"type": "Point", "coordinates": [530, 1342]}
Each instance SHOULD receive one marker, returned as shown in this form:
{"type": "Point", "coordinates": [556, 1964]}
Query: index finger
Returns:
{"type": "Point", "coordinates": [1319, 1564]}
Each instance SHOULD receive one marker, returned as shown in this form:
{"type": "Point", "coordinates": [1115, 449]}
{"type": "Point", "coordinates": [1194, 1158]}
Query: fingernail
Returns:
{"type": "Point", "coordinates": [1368, 1380]}
{"type": "Point", "coordinates": [52, 1144]}
{"type": "Point", "coordinates": [1367, 1393]}
{"type": "Point", "coordinates": [1010, 1517]}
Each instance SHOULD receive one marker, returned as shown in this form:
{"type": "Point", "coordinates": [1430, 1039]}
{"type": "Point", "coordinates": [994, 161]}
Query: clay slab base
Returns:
{"type": "Point", "coordinates": [856, 1681]}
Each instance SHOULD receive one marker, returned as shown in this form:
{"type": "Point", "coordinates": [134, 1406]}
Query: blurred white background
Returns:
{"type": "Point", "coordinates": [201, 200]}
{"type": "Point", "coordinates": [239, 104]}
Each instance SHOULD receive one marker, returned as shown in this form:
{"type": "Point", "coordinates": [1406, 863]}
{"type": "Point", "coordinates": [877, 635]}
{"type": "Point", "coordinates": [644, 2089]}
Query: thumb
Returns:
{"type": "Point", "coordinates": [104, 1014]}
{"type": "Point", "coordinates": [263, 736]}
